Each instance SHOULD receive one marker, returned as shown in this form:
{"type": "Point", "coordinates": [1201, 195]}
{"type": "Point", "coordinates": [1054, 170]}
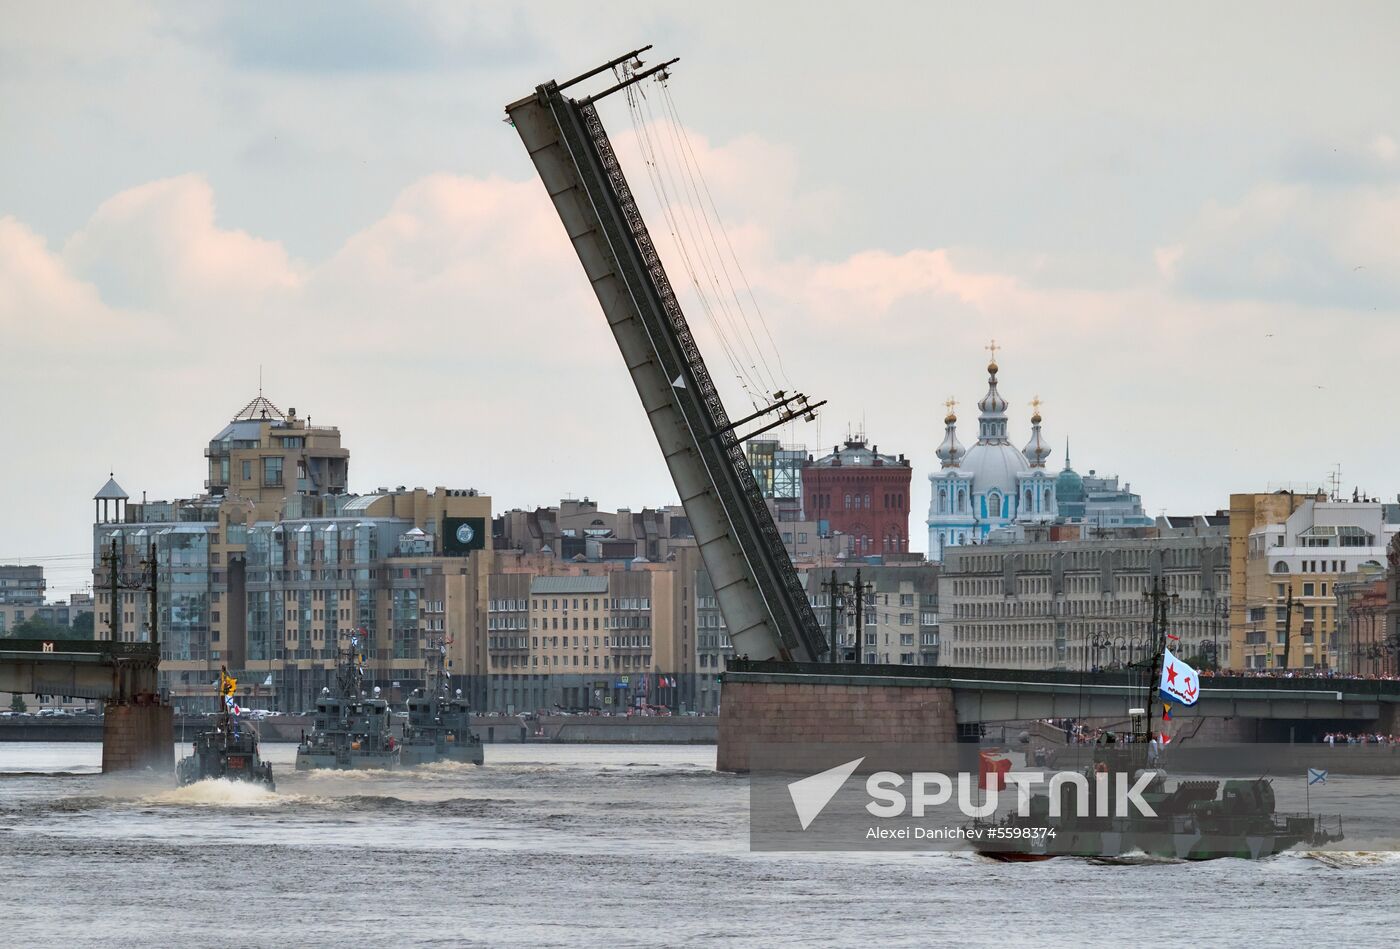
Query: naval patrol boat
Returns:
{"type": "Point", "coordinates": [350, 729]}
{"type": "Point", "coordinates": [1200, 819]}
{"type": "Point", "coordinates": [228, 749]}
{"type": "Point", "coordinates": [439, 724]}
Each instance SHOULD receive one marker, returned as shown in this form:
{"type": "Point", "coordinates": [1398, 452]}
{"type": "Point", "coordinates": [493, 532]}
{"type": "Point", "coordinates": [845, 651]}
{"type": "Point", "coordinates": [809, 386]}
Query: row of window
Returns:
{"type": "Point", "coordinates": [576, 662]}
{"type": "Point", "coordinates": [1313, 566]}
{"type": "Point", "coordinates": [509, 604]}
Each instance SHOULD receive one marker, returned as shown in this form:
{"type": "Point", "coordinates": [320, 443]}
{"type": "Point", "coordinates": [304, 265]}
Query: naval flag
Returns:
{"type": "Point", "coordinates": [1316, 777]}
{"type": "Point", "coordinates": [1180, 683]}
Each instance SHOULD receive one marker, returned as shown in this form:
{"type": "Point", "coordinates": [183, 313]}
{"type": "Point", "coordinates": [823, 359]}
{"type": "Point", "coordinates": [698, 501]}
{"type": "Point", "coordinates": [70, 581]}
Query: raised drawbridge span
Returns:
{"type": "Point", "coordinates": [763, 602]}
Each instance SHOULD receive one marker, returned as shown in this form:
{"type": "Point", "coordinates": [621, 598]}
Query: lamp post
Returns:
{"type": "Point", "coordinates": [1220, 614]}
{"type": "Point", "coordinates": [1098, 641]}
{"type": "Point", "coordinates": [1288, 609]}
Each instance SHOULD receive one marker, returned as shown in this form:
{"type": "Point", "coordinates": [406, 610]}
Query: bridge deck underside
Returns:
{"type": "Point", "coordinates": [81, 676]}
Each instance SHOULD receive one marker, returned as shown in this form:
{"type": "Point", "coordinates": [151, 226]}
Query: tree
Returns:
{"type": "Point", "coordinates": [38, 628]}
{"type": "Point", "coordinates": [82, 626]}
{"type": "Point", "coordinates": [17, 704]}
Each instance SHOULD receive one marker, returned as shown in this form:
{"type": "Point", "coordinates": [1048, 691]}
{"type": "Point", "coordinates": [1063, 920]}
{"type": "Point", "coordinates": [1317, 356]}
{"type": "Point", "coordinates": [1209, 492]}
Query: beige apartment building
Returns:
{"type": "Point", "coordinates": [592, 635]}
{"type": "Point", "coordinates": [1296, 552]}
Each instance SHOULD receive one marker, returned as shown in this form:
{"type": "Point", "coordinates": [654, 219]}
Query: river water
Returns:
{"type": "Point", "coordinates": [581, 845]}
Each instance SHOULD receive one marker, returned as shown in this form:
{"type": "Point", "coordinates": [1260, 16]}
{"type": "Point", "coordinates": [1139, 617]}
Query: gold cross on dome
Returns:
{"type": "Point", "coordinates": [951, 404]}
{"type": "Point", "coordinates": [992, 348]}
{"type": "Point", "coordinates": [1035, 405]}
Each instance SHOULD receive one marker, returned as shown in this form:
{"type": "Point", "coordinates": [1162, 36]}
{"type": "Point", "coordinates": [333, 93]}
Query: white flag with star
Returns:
{"type": "Point", "coordinates": [1180, 683]}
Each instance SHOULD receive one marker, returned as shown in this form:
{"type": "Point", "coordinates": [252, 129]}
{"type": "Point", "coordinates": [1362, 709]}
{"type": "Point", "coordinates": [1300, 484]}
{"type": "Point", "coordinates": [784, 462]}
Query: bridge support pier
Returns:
{"type": "Point", "coordinates": [137, 736]}
{"type": "Point", "coordinates": [773, 708]}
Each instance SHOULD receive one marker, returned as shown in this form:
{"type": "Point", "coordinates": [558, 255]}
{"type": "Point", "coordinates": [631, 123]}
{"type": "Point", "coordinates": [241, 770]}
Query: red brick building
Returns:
{"type": "Point", "coordinates": [861, 493]}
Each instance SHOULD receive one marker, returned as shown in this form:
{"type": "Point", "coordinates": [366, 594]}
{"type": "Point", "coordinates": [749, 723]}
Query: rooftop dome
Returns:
{"type": "Point", "coordinates": [951, 452]}
{"type": "Point", "coordinates": [994, 466]}
{"type": "Point", "coordinates": [1069, 487]}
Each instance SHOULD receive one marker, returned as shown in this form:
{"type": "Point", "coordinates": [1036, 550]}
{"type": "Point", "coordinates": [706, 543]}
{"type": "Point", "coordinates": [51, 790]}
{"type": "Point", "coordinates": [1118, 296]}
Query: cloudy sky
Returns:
{"type": "Point", "coordinates": [1181, 225]}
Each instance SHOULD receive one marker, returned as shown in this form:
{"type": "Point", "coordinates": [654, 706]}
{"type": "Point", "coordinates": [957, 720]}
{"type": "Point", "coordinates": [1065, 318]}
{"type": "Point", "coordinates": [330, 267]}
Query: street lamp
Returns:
{"type": "Point", "coordinates": [1098, 642]}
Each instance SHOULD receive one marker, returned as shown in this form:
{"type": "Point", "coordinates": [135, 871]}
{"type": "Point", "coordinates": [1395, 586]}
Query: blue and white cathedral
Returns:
{"type": "Point", "coordinates": [990, 486]}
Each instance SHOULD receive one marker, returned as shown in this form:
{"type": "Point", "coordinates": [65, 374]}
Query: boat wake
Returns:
{"type": "Point", "coordinates": [1349, 859]}
{"type": "Point", "coordinates": [216, 792]}
{"type": "Point", "coordinates": [1135, 858]}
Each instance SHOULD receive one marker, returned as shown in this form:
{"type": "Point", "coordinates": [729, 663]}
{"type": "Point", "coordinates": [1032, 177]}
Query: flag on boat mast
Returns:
{"type": "Point", "coordinates": [1180, 682]}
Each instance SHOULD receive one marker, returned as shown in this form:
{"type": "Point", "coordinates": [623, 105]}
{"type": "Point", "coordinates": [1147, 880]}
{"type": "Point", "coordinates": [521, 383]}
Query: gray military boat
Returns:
{"type": "Point", "coordinates": [439, 726]}
{"type": "Point", "coordinates": [1193, 820]}
{"type": "Point", "coordinates": [228, 749]}
{"type": "Point", "coordinates": [350, 729]}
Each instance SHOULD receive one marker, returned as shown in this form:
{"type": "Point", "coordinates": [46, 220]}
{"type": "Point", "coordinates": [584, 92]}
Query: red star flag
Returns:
{"type": "Point", "coordinates": [1180, 683]}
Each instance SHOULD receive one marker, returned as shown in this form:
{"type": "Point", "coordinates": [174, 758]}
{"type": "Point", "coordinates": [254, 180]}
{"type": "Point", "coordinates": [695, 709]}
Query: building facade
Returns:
{"type": "Point", "coordinates": [1082, 604]}
{"type": "Point", "coordinates": [860, 493]}
{"type": "Point", "coordinates": [591, 636]}
{"type": "Point", "coordinates": [21, 585]}
{"type": "Point", "coordinates": [900, 625]}
{"type": "Point", "coordinates": [1297, 551]}
{"type": "Point", "coordinates": [1363, 642]}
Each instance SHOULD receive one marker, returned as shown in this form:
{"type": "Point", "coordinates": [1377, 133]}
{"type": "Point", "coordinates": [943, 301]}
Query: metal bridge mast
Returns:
{"type": "Point", "coordinates": [763, 602]}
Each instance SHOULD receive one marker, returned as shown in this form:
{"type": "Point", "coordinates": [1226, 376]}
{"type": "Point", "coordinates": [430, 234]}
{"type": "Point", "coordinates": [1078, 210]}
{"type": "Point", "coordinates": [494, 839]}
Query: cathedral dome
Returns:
{"type": "Point", "coordinates": [994, 466]}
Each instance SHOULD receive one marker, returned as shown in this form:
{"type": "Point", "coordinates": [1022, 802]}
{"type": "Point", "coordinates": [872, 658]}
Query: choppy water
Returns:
{"type": "Point", "coordinates": [557, 845]}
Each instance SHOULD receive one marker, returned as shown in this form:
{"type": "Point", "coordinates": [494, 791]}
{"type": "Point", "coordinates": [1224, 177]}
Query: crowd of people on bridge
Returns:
{"type": "Point", "coordinates": [1318, 672]}
{"type": "Point", "coordinates": [1333, 739]}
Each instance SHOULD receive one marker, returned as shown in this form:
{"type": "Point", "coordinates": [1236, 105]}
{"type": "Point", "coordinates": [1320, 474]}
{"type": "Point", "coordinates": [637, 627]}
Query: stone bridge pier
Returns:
{"type": "Point", "coordinates": [764, 709]}
{"type": "Point", "coordinates": [138, 735]}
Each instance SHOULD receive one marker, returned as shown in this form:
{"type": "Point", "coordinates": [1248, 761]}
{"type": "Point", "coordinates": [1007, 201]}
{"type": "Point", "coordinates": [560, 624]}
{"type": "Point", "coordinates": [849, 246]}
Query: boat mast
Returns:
{"type": "Point", "coordinates": [1157, 628]}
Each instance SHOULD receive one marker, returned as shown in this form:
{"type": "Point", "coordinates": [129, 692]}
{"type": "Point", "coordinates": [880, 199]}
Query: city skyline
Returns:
{"type": "Point", "coordinates": [1229, 243]}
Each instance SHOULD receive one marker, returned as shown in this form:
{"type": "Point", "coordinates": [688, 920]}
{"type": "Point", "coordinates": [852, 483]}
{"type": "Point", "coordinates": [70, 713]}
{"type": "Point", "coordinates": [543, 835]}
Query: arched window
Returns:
{"type": "Point", "coordinates": [1280, 567]}
{"type": "Point", "coordinates": [1047, 499]}
{"type": "Point", "coordinates": [994, 504]}
{"type": "Point", "coordinates": [848, 502]}
{"type": "Point", "coordinates": [1029, 499]}
{"type": "Point", "coordinates": [962, 501]}
{"type": "Point", "coordinates": [943, 500]}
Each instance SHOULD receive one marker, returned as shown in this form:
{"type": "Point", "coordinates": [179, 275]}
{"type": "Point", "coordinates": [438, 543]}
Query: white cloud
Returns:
{"type": "Point", "coordinates": [1320, 245]}
{"type": "Point", "coordinates": [158, 245]}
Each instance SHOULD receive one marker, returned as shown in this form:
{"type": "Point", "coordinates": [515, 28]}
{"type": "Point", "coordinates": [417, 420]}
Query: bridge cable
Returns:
{"type": "Point", "coordinates": [700, 253]}
{"type": "Point", "coordinates": [713, 253]}
{"type": "Point", "coordinates": [658, 186]}
{"type": "Point", "coordinates": [748, 287]}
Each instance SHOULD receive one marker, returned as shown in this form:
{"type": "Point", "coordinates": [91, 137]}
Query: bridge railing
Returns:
{"type": "Point", "coordinates": [1067, 677]}
{"type": "Point", "coordinates": [102, 649]}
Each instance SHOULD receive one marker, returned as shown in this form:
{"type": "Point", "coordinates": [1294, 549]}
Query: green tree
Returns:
{"type": "Point", "coordinates": [38, 628]}
{"type": "Point", "coordinates": [17, 704]}
{"type": "Point", "coordinates": [82, 626]}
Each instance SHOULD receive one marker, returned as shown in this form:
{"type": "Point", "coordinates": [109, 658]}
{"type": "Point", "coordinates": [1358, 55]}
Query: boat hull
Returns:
{"type": "Point", "coordinates": [351, 761]}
